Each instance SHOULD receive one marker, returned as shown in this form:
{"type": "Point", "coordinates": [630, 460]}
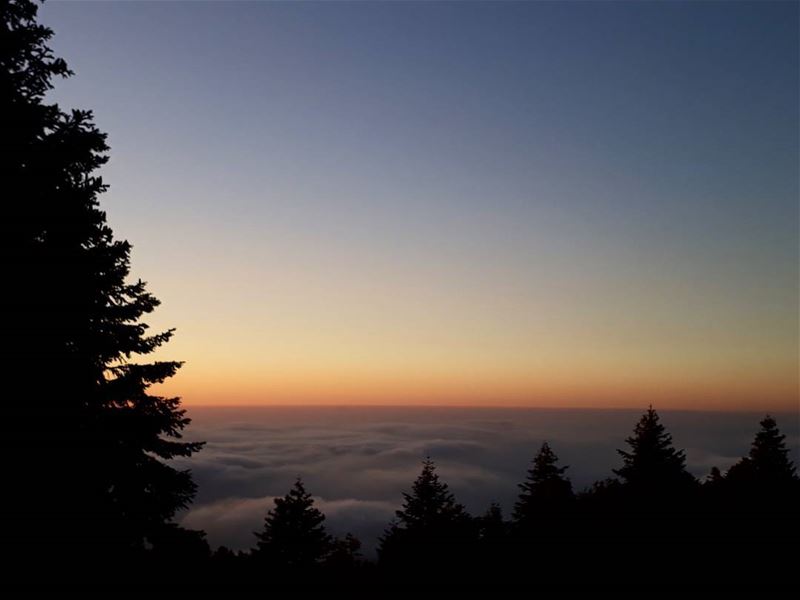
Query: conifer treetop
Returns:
{"type": "Point", "coordinates": [652, 459]}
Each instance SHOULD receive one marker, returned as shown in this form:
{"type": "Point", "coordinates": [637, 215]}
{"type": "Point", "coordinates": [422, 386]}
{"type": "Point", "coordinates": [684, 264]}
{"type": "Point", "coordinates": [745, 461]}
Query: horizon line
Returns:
{"type": "Point", "coordinates": [489, 407]}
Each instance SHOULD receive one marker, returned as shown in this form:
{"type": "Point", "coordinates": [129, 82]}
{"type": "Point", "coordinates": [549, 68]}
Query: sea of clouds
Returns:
{"type": "Point", "coordinates": [358, 461]}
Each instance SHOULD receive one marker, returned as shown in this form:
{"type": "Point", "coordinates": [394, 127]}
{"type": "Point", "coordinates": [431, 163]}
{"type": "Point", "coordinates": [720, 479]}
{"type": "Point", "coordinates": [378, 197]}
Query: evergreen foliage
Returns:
{"type": "Point", "coordinates": [767, 463]}
{"type": "Point", "coordinates": [652, 463]}
{"type": "Point", "coordinates": [430, 525]}
{"type": "Point", "coordinates": [84, 414]}
{"type": "Point", "coordinates": [294, 535]}
{"type": "Point", "coordinates": [545, 488]}
{"type": "Point", "coordinates": [430, 506]}
{"type": "Point", "coordinates": [491, 525]}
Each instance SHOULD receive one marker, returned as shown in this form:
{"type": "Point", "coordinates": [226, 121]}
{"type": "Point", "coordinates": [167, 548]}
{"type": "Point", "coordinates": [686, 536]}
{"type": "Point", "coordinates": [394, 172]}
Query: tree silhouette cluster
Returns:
{"type": "Point", "coordinates": [652, 526]}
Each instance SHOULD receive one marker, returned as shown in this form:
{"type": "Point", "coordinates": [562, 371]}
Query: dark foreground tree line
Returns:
{"type": "Point", "coordinates": [89, 495]}
{"type": "Point", "coordinates": [652, 526]}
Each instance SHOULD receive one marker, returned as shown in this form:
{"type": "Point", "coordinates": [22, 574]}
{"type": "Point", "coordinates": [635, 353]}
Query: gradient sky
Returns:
{"type": "Point", "coordinates": [552, 204]}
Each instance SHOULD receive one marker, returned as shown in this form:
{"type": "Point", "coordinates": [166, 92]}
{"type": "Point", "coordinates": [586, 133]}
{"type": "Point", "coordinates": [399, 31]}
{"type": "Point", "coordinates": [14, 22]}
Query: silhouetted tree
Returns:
{"type": "Point", "coordinates": [653, 463]}
{"type": "Point", "coordinates": [491, 525]}
{"type": "Point", "coordinates": [84, 441]}
{"type": "Point", "coordinates": [714, 485]}
{"type": "Point", "coordinates": [768, 462]}
{"type": "Point", "coordinates": [293, 536]}
{"type": "Point", "coordinates": [173, 545]}
{"type": "Point", "coordinates": [653, 509]}
{"type": "Point", "coordinates": [714, 477]}
{"type": "Point", "coordinates": [227, 568]}
{"type": "Point", "coordinates": [493, 538]}
{"type": "Point", "coordinates": [542, 517]}
{"type": "Point", "coordinates": [430, 502]}
{"type": "Point", "coordinates": [224, 556]}
{"type": "Point", "coordinates": [344, 555]}
{"type": "Point", "coordinates": [752, 512]}
{"type": "Point", "coordinates": [545, 489]}
{"type": "Point", "coordinates": [430, 526]}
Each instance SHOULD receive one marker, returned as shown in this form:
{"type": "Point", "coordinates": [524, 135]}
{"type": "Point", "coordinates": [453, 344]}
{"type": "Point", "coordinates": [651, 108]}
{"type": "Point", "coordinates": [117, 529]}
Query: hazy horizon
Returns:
{"type": "Point", "coordinates": [626, 408]}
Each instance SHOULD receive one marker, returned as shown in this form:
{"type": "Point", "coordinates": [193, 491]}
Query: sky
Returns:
{"type": "Point", "coordinates": [538, 204]}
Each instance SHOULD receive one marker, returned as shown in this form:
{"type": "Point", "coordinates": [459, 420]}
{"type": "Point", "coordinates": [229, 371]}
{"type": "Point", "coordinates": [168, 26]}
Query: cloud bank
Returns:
{"type": "Point", "coordinates": [357, 461]}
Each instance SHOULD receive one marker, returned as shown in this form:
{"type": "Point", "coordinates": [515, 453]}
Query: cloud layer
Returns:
{"type": "Point", "coordinates": [358, 461]}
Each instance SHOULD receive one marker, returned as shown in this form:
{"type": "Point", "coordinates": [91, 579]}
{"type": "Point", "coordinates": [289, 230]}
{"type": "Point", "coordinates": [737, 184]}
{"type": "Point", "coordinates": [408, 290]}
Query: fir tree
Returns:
{"type": "Point", "coordinates": [293, 536]}
{"type": "Point", "coordinates": [545, 489]}
{"type": "Point", "coordinates": [714, 481]}
{"type": "Point", "coordinates": [653, 462]}
{"type": "Point", "coordinates": [714, 477]}
{"type": "Point", "coordinates": [767, 463]}
{"type": "Point", "coordinates": [491, 556]}
{"type": "Point", "coordinates": [430, 503]}
{"type": "Point", "coordinates": [345, 554]}
{"type": "Point", "coordinates": [756, 503]}
{"type": "Point", "coordinates": [769, 454]}
{"type": "Point", "coordinates": [491, 525]}
{"type": "Point", "coordinates": [84, 442]}
{"type": "Point", "coordinates": [429, 518]}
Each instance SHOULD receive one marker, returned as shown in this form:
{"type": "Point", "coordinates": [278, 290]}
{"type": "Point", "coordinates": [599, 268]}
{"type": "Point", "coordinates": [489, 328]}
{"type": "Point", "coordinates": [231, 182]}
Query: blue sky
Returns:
{"type": "Point", "coordinates": [487, 198]}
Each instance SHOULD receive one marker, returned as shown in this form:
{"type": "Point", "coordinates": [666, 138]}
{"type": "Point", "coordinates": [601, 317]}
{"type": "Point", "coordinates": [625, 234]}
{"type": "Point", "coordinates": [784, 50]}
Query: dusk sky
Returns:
{"type": "Point", "coordinates": [541, 204]}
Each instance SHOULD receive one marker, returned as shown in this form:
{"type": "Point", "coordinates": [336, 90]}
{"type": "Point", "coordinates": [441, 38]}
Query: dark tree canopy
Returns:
{"type": "Point", "coordinates": [430, 503]}
{"type": "Point", "coordinates": [769, 454]}
{"type": "Point", "coordinates": [545, 488]}
{"type": "Point", "coordinates": [767, 463]}
{"type": "Point", "coordinates": [429, 519]}
{"type": "Point", "coordinates": [652, 462]}
{"type": "Point", "coordinates": [345, 554]}
{"type": "Point", "coordinates": [294, 535]}
{"type": "Point", "coordinates": [491, 525]}
{"type": "Point", "coordinates": [84, 439]}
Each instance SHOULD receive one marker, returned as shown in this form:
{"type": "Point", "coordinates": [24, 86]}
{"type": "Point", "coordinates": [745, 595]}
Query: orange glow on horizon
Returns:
{"type": "Point", "coordinates": [591, 391]}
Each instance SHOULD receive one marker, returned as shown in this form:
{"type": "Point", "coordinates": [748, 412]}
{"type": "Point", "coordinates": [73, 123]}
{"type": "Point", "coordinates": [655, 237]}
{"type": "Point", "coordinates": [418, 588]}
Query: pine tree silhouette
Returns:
{"type": "Point", "coordinates": [541, 525]}
{"type": "Point", "coordinates": [768, 460]}
{"type": "Point", "coordinates": [84, 441]}
{"type": "Point", "coordinates": [754, 510]}
{"type": "Point", "coordinates": [714, 476]}
{"type": "Point", "coordinates": [430, 503]}
{"type": "Point", "coordinates": [544, 490]}
{"type": "Point", "coordinates": [431, 525]}
{"type": "Point", "coordinates": [345, 555]}
{"type": "Point", "coordinates": [491, 558]}
{"type": "Point", "coordinates": [491, 525]}
{"type": "Point", "coordinates": [653, 462]}
{"type": "Point", "coordinates": [767, 471]}
{"type": "Point", "coordinates": [293, 536]}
